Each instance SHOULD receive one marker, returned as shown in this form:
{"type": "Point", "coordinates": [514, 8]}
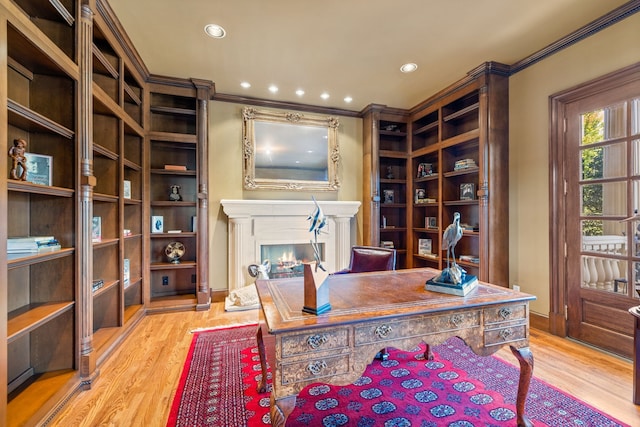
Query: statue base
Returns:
{"type": "Point", "coordinates": [316, 290]}
{"type": "Point", "coordinates": [468, 284]}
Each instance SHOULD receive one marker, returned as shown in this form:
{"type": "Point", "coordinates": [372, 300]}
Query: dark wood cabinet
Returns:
{"type": "Point", "coordinates": [449, 154]}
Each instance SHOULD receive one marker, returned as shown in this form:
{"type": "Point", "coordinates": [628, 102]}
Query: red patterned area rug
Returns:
{"type": "Point", "coordinates": [455, 389]}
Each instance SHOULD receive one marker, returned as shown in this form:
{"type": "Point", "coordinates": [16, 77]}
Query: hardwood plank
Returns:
{"type": "Point", "coordinates": [130, 391]}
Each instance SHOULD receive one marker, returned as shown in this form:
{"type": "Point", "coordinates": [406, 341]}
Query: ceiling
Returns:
{"type": "Point", "coordinates": [345, 48]}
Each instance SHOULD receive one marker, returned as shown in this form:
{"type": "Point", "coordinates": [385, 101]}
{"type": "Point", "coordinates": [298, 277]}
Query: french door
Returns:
{"type": "Point", "coordinates": [600, 200]}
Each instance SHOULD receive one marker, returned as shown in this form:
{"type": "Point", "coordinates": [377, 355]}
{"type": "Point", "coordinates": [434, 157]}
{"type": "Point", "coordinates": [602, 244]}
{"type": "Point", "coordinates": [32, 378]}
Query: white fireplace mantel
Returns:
{"type": "Point", "coordinates": [256, 222]}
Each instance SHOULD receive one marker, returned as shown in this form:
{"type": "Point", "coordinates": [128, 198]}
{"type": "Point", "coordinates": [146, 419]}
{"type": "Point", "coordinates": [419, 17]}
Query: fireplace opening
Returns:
{"type": "Point", "coordinates": [287, 259]}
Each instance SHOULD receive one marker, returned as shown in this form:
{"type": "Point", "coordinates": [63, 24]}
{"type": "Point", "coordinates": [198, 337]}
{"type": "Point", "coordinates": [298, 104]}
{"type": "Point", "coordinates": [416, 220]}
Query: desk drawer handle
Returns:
{"type": "Point", "coordinates": [506, 312]}
{"type": "Point", "coordinates": [315, 341]}
{"type": "Point", "coordinates": [457, 320]}
{"type": "Point", "coordinates": [383, 331]}
{"type": "Point", "coordinates": [317, 367]}
{"type": "Point", "coordinates": [506, 333]}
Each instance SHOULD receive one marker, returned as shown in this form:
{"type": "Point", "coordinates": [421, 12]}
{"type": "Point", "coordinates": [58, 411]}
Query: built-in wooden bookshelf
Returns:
{"type": "Point", "coordinates": [418, 154]}
{"type": "Point", "coordinates": [39, 292]}
{"type": "Point", "coordinates": [76, 96]}
{"type": "Point", "coordinates": [177, 192]}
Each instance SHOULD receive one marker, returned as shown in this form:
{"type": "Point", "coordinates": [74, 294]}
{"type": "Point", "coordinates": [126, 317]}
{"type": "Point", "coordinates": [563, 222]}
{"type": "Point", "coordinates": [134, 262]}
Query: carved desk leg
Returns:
{"type": "Point", "coordinates": [262, 387]}
{"type": "Point", "coordinates": [525, 358]}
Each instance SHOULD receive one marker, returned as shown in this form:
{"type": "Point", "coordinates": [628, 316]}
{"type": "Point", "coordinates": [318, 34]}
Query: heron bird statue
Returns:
{"type": "Point", "coordinates": [450, 238]}
{"type": "Point", "coordinates": [318, 221]}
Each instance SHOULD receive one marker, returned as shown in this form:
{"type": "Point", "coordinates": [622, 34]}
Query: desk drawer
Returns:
{"type": "Point", "coordinates": [504, 335]}
{"type": "Point", "coordinates": [505, 313]}
{"type": "Point", "coordinates": [320, 340]}
{"type": "Point", "coordinates": [314, 369]}
{"type": "Point", "coordinates": [419, 326]}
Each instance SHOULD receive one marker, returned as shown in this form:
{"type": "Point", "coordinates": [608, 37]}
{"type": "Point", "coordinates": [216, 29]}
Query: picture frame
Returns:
{"type": "Point", "coordinates": [39, 168]}
{"type": "Point", "coordinates": [126, 189]}
{"type": "Point", "coordinates": [96, 229]}
{"type": "Point", "coordinates": [126, 272]}
{"type": "Point", "coordinates": [424, 169]}
{"type": "Point", "coordinates": [388, 196]}
{"type": "Point", "coordinates": [194, 224]}
{"type": "Point", "coordinates": [157, 224]}
{"type": "Point", "coordinates": [467, 191]}
{"type": "Point", "coordinates": [424, 246]}
{"type": "Point", "coordinates": [420, 195]}
{"type": "Point", "coordinates": [431, 222]}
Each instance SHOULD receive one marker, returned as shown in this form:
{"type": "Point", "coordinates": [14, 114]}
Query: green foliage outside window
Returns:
{"type": "Point", "coordinates": [592, 131]}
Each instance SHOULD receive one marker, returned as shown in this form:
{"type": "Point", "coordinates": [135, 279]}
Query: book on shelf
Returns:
{"type": "Point", "coordinates": [97, 284]}
{"type": "Point", "coordinates": [386, 244]}
{"type": "Point", "coordinates": [464, 164]}
{"type": "Point", "coordinates": [175, 167]}
{"type": "Point", "coordinates": [470, 258]}
{"type": "Point", "coordinates": [19, 253]}
{"type": "Point", "coordinates": [30, 243]}
{"type": "Point", "coordinates": [174, 231]}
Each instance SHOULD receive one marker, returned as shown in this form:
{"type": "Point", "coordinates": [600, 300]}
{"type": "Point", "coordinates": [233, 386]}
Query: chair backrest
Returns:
{"type": "Point", "coordinates": [371, 258]}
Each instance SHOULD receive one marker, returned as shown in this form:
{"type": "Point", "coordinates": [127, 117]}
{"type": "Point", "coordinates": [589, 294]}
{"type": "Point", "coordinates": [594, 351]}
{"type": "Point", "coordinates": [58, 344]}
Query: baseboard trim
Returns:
{"type": "Point", "coordinates": [539, 322]}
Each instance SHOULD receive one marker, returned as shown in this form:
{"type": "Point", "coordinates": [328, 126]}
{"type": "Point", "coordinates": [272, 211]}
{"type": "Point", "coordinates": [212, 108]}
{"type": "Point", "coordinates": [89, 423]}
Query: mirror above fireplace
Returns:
{"type": "Point", "coordinates": [289, 151]}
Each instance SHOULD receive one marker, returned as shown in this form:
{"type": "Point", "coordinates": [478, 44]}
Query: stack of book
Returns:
{"type": "Point", "coordinates": [464, 164]}
{"type": "Point", "coordinates": [97, 284]}
{"type": "Point", "coordinates": [25, 246]}
{"type": "Point", "coordinates": [386, 244]}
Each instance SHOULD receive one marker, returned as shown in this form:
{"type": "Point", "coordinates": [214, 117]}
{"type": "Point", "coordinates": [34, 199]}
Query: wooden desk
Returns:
{"type": "Point", "coordinates": [371, 311]}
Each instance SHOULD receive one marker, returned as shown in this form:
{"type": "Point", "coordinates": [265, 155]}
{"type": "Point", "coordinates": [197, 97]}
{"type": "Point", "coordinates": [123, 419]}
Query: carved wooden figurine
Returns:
{"type": "Point", "coordinates": [19, 160]}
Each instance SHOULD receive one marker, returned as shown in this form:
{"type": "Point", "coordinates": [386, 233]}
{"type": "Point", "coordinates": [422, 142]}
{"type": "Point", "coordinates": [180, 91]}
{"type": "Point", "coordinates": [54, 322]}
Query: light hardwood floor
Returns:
{"type": "Point", "coordinates": [137, 383]}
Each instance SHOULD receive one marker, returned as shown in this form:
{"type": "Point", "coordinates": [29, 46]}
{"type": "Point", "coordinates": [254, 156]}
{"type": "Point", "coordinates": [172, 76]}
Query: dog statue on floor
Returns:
{"type": "Point", "coordinates": [260, 271]}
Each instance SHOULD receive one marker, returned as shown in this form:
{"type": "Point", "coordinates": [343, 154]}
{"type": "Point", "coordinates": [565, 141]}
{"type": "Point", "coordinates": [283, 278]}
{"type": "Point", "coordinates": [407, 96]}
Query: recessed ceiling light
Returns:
{"type": "Point", "coordinates": [215, 31]}
{"type": "Point", "coordinates": [299, 92]}
{"type": "Point", "coordinates": [348, 99]}
{"type": "Point", "coordinates": [324, 95]}
{"type": "Point", "coordinates": [245, 85]}
{"type": "Point", "coordinates": [273, 88]}
{"type": "Point", "coordinates": [409, 68]}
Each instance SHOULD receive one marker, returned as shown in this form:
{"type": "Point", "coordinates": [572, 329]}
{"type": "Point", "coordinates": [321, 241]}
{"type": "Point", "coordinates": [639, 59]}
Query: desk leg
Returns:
{"type": "Point", "coordinates": [262, 387]}
{"type": "Point", "coordinates": [525, 358]}
{"type": "Point", "coordinates": [636, 362]}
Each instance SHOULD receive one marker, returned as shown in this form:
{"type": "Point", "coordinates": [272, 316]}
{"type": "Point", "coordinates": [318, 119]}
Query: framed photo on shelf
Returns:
{"type": "Point", "coordinates": [467, 191]}
{"type": "Point", "coordinates": [424, 169]}
{"type": "Point", "coordinates": [39, 168]}
{"type": "Point", "coordinates": [424, 247]}
{"type": "Point", "coordinates": [126, 192]}
{"type": "Point", "coordinates": [430, 222]}
{"type": "Point", "coordinates": [96, 229]}
{"type": "Point", "coordinates": [420, 196]}
{"type": "Point", "coordinates": [157, 224]}
{"type": "Point", "coordinates": [388, 196]}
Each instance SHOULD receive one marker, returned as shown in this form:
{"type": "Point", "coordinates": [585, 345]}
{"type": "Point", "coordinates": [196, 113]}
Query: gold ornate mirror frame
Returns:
{"type": "Point", "coordinates": [289, 151]}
